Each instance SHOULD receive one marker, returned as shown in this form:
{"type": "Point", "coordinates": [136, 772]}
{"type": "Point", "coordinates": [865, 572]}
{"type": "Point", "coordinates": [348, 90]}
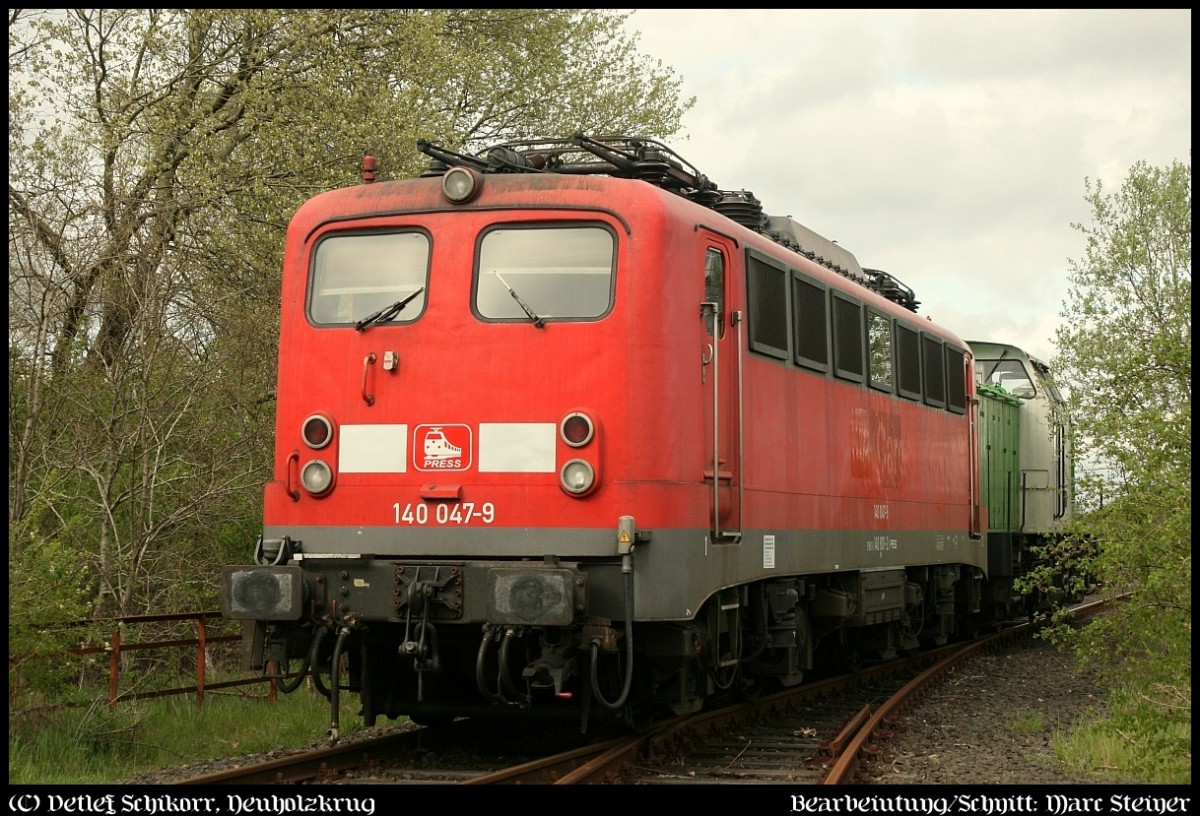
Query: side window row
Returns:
{"type": "Point", "coordinates": [795, 317]}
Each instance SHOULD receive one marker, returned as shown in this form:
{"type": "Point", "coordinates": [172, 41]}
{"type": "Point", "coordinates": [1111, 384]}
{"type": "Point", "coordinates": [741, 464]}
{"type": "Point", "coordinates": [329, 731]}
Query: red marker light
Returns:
{"type": "Point", "coordinates": [576, 429]}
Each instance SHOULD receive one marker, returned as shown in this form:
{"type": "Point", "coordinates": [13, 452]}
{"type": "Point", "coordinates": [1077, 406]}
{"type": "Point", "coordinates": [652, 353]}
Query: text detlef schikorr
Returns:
{"type": "Point", "coordinates": [157, 804]}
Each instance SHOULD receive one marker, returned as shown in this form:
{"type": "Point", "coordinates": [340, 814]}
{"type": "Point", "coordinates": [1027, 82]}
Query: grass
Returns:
{"type": "Point", "coordinates": [1136, 741]}
{"type": "Point", "coordinates": [1031, 723]}
{"type": "Point", "coordinates": [98, 745]}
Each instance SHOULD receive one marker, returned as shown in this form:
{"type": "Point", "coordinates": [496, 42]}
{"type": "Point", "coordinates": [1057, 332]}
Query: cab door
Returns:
{"type": "Point", "coordinates": [720, 369]}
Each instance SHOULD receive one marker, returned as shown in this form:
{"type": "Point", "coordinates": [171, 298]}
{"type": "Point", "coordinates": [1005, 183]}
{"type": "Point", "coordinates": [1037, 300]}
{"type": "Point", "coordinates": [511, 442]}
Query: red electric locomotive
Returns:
{"type": "Point", "coordinates": [564, 428]}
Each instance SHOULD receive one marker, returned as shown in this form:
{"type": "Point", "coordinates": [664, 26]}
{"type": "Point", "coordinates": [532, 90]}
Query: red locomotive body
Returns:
{"type": "Point", "coordinates": [555, 436]}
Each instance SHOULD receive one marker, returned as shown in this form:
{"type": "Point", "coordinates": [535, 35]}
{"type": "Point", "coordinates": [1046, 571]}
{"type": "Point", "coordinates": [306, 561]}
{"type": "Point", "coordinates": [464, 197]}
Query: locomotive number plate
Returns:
{"type": "Point", "coordinates": [419, 513]}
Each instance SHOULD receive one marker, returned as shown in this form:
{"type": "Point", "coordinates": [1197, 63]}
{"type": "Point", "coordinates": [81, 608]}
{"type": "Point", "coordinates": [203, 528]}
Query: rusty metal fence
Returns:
{"type": "Point", "coordinates": [119, 647]}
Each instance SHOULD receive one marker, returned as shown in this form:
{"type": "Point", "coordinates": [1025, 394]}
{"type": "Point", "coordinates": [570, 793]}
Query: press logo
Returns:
{"type": "Point", "coordinates": [442, 447]}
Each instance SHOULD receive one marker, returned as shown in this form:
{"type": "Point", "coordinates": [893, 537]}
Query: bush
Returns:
{"type": "Point", "coordinates": [48, 593]}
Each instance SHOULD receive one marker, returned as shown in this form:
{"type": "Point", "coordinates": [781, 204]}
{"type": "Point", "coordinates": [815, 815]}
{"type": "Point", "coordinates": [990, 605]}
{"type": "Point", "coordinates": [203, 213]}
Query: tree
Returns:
{"type": "Point", "coordinates": [155, 158]}
{"type": "Point", "coordinates": [1125, 355]}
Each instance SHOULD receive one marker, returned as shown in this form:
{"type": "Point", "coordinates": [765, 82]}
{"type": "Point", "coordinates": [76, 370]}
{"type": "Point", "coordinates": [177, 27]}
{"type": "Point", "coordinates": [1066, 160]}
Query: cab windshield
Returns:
{"type": "Point", "coordinates": [357, 274]}
{"type": "Point", "coordinates": [539, 273]}
{"type": "Point", "coordinates": [1010, 375]}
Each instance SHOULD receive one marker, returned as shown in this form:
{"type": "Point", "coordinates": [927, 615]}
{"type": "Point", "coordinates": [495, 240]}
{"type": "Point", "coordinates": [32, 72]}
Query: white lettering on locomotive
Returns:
{"type": "Point", "coordinates": [421, 513]}
{"type": "Point", "coordinates": [880, 543]}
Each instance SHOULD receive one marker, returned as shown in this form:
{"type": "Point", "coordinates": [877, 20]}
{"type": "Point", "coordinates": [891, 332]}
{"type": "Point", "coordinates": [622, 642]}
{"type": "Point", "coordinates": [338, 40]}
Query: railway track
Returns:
{"type": "Point", "coordinates": [816, 734]}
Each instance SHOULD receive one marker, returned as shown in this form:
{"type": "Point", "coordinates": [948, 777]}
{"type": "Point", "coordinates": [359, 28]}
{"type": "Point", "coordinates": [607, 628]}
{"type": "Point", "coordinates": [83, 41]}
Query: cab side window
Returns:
{"type": "Point", "coordinates": [714, 287]}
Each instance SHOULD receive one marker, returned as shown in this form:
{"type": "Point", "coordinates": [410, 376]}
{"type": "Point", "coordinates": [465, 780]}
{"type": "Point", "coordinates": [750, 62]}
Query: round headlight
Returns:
{"type": "Point", "coordinates": [316, 477]}
{"type": "Point", "coordinates": [577, 477]}
{"type": "Point", "coordinates": [576, 429]}
{"type": "Point", "coordinates": [461, 184]}
{"type": "Point", "coordinates": [317, 431]}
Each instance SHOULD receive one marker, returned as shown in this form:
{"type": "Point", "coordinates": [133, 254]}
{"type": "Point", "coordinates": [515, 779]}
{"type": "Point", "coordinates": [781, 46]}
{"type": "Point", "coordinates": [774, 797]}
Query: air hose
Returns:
{"type": "Point", "coordinates": [626, 567]}
{"type": "Point", "coordinates": [335, 683]}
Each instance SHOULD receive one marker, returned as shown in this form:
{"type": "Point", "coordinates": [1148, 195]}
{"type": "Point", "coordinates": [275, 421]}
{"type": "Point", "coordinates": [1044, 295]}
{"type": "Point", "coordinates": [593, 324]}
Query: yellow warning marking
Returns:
{"type": "Point", "coordinates": [623, 537]}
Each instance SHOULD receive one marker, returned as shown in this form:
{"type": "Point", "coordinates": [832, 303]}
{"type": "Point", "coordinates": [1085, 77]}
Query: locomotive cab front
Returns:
{"type": "Point", "coordinates": [465, 370]}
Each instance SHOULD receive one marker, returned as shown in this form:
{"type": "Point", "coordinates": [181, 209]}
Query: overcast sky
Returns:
{"type": "Point", "coordinates": [948, 148]}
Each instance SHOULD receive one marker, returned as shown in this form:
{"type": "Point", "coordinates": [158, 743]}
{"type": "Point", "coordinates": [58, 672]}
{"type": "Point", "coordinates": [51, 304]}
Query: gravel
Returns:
{"type": "Point", "coordinates": [994, 721]}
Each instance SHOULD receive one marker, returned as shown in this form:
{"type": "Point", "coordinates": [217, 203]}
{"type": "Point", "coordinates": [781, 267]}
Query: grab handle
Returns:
{"type": "Point", "coordinates": [368, 361]}
{"type": "Point", "coordinates": [294, 456]}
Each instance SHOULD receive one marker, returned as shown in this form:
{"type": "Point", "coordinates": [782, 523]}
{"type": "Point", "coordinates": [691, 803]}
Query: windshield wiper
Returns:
{"type": "Point", "coordinates": [537, 319]}
{"type": "Point", "coordinates": [995, 364]}
{"type": "Point", "coordinates": [387, 312]}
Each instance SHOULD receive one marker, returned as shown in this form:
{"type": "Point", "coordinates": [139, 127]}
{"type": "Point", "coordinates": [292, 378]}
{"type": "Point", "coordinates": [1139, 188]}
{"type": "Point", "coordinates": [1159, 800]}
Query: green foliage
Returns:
{"type": "Point", "coordinates": [1124, 355]}
{"type": "Point", "coordinates": [1125, 348]}
{"type": "Point", "coordinates": [1064, 572]}
{"type": "Point", "coordinates": [49, 589]}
